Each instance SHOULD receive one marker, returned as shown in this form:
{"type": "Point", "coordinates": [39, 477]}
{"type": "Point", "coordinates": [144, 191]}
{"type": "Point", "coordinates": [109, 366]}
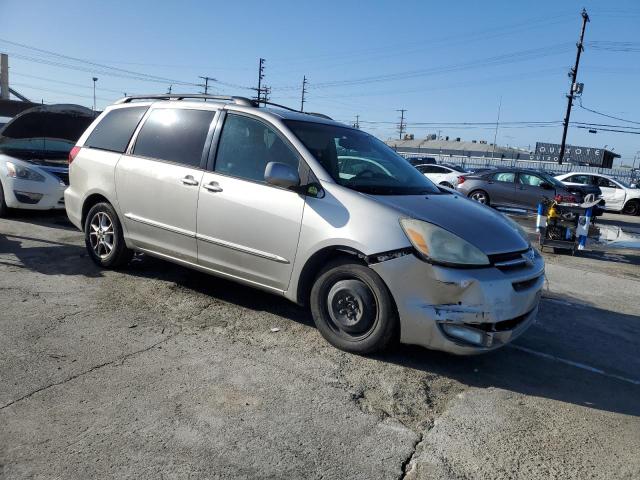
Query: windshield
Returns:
{"type": "Point", "coordinates": [359, 161]}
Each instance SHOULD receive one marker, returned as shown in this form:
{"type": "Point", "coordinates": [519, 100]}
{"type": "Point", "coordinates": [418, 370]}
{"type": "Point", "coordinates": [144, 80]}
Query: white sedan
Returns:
{"type": "Point", "coordinates": [618, 195]}
{"type": "Point", "coordinates": [34, 148]}
{"type": "Point", "coordinates": [445, 175]}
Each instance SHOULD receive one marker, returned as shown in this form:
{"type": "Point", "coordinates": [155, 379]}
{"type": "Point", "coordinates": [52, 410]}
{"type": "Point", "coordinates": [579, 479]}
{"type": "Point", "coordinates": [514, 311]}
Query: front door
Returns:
{"type": "Point", "coordinates": [157, 182]}
{"type": "Point", "coordinates": [248, 229]}
{"type": "Point", "coordinates": [612, 193]}
{"type": "Point", "coordinates": [530, 192]}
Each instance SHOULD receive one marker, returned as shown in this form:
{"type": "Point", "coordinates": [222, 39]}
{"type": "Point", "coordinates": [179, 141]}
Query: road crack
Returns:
{"type": "Point", "coordinates": [408, 465]}
{"type": "Point", "coordinates": [92, 369]}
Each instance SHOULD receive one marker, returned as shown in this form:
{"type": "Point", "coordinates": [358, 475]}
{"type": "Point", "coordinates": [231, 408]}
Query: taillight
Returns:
{"type": "Point", "coordinates": [72, 154]}
{"type": "Point", "coordinates": [461, 180]}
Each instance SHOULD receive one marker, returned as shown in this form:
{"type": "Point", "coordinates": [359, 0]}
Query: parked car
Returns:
{"type": "Point", "coordinates": [260, 196]}
{"type": "Point", "coordinates": [619, 196]}
{"type": "Point", "coordinates": [421, 160]}
{"type": "Point", "coordinates": [514, 188]}
{"type": "Point", "coordinates": [34, 147]}
{"type": "Point", "coordinates": [445, 175]}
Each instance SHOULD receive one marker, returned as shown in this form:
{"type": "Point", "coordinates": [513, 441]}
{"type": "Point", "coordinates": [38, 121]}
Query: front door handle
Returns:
{"type": "Point", "coordinates": [213, 187]}
{"type": "Point", "coordinates": [189, 180]}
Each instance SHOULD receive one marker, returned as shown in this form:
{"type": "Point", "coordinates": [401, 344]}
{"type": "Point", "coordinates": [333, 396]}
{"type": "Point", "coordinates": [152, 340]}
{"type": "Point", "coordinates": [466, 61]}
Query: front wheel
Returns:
{"type": "Point", "coordinates": [103, 237]}
{"type": "Point", "coordinates": [632, 207]}
{"type": "Point", "coordinates": [480, 196]}
{"type": "Point", "coordinates": [353, 309]}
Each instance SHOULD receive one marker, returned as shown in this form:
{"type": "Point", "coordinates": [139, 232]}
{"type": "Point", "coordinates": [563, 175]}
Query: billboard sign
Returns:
{"type": "Point", "coordinates": [548, 152]}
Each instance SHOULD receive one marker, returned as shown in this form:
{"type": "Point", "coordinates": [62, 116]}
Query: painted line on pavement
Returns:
{"type": "Point", "coordinates": [582, 366]}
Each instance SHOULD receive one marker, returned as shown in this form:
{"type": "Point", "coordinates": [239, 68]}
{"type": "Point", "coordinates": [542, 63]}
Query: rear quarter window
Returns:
{"type": "Point", "coordinates": [115, 130]}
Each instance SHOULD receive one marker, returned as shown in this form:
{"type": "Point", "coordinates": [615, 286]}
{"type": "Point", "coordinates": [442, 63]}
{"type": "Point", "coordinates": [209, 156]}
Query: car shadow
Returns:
{"type": "Point", "coordinates": [46, 256]}
{"type": "Point", "coordinates": [49, 218]}
{"type": "Point", "coordinates": [572, 354]}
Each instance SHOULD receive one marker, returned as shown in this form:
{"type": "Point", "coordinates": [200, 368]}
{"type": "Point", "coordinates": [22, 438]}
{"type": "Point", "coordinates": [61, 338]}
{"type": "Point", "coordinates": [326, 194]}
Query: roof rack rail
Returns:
{"type": "Point", "coordinates": [242, 101]}
{"type": "Point", "coordinates": [181, 96]}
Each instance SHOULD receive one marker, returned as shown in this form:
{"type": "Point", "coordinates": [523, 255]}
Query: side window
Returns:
{"type": "Point", "coordinates": [423, 168]}
{"type": "Point", "coordinates": [247, 146]}
{"type": "Point", "coordinates": [507, 177]}
{"type": "Point", "coordinates": [581, 179]}
{"type": "Point", "coordinates": [531, 180]}
{"type": "Point", "coordinates": [175, 135]}
{"type": "Point", "coordinates": [115, 129]}
{"type": "Point", "coordinates": [604, 182]}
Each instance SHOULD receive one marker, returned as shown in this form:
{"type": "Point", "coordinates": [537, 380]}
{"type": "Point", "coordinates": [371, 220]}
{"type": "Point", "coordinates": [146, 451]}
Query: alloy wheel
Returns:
{"type": "Point", "coordinates": [479, 197]}
{"type": "Point", "coordinates": [101, 235]}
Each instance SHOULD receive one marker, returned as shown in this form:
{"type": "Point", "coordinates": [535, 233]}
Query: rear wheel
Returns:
{"type": "Point", "coordinates": [480, 196]}
{"type": "Point", "coordinates": [353, 308]}
{"type": "Point", "coordinates": [3, 203]}
{"type": "Point", "coordinates": [632, 207]}
{"type": "Point", "coordinates": [103, 237]}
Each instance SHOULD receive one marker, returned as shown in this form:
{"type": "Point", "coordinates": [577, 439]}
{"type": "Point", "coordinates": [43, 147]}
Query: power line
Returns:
{"type": "Point", "coordinates": [604, 114]}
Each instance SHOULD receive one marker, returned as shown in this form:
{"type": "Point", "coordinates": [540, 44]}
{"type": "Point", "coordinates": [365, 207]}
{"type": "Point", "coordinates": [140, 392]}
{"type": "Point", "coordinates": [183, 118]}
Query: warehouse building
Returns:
{"type": "Point", "coordinates": [431, 145]}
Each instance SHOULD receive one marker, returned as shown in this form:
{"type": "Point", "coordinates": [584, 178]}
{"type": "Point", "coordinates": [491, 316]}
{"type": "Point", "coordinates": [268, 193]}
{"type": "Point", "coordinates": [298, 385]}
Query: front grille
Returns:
{"type": "Point", "coordinates": [501, 326]}
{"type": "Point", "coordinates": [509, 261]}
{"type": "Point", "coordinates": [525, 284]}
{"type": "Point", "coordinates": [64, 176]}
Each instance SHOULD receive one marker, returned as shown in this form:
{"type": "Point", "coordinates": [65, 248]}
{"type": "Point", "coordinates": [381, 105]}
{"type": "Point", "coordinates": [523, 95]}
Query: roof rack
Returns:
{"type": "Point", "coordinates": [242, 101]}
{"type": "Point", "coordinates": [181, 96]}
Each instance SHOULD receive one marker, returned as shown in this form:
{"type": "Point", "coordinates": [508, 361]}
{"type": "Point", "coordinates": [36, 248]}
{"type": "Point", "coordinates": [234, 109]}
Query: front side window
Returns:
{"type": "Point", "coordinates": [529, 179]}
{"type": "Point", "coordinates": [380, 171]}
{"type": "Point", "coordinates": [175, 135]}
{"type": "Point", "coordinates": [247, 146]}
{"type": "Point", "coordinates": [506, 177]}
{"type": "Point", "coordinates": [605, 182]}
{"type": "Point", "coordinates": [115, 130]}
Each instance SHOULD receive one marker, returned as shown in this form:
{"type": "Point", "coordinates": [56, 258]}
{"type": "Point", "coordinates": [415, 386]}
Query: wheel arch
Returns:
{"type": "Point", "coordinates": [90, 201]}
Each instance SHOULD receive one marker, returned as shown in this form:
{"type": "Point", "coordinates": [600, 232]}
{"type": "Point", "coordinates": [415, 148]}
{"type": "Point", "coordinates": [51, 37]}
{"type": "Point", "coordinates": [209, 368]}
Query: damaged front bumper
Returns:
{"type": "Point", "coordinates": [462, 311]}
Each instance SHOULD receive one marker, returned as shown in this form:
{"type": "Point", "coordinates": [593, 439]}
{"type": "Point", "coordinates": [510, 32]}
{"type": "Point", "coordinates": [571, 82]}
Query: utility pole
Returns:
{"type": "Point", "coordinates": [495, 134]}
{"type": "Point", "coordinates": [4, 76]}
{"type": "Point", "coordinates": [260, 77]}
{"type": "Point", "coordinates": [304, 90]}
{"type": "Point", "coordinates": [266, 91]}
{"type": "Point", "coordinates": [95, 79]}
{"type": "Point", "coordinates": [206, 85]}
{"type": "Point", "coordinates": [401, 125]}
{"type": "Point", "coordinates": [574, 85]}
{"type": "Point", "coordinates": [357, 124]}
{"type": "Point", "coordinates": [169, 89]}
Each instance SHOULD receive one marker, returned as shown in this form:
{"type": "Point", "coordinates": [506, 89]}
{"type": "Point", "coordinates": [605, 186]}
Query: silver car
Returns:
{"type": "Point", "coordinates": [306, 208]}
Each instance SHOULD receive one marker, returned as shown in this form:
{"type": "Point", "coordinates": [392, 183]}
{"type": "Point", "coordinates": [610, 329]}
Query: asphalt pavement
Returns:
{"type": "Point", "coordinates": [157, 371]}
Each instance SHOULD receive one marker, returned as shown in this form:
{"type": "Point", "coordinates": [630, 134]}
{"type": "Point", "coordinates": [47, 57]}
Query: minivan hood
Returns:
{"type": "Point", "coordinates": [479, 225]}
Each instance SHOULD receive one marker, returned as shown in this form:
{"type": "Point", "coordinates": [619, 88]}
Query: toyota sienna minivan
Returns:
{"type": "Point", "coordinates": [304, 207]}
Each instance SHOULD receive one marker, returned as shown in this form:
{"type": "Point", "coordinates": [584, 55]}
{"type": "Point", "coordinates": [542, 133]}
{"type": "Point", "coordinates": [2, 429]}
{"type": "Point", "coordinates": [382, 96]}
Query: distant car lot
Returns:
{"type": "Point", "coordinates": [160, 370]}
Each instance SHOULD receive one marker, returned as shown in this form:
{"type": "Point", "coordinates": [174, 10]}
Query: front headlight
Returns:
{"type": "Point", "coordinates": [23, 173]}
{"type": "Point", "coordinates": [437, 245]}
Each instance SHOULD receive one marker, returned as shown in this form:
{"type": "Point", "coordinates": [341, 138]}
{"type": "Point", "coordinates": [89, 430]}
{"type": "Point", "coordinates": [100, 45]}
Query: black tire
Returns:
{"type": "Point", "coordinates": [370, 323]}
{"type": "Point", "coordinates": [446, 184]}
{"type": "Point", "coordinates": [476, 195]}
{"type": "Point", "coordinates": [632, 207]}
{"type": "Point", "coordinates": [3, 203]}
{"type": "Point", "coordinates": [108, 231]}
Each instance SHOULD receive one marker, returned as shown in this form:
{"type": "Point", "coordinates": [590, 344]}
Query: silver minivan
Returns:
{"type": "Point", "coordinates": [302, 206]}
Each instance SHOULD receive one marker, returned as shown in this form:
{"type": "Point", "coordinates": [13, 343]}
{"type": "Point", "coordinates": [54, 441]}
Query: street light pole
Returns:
{"type": "Point", "coordinates": [95, 79]}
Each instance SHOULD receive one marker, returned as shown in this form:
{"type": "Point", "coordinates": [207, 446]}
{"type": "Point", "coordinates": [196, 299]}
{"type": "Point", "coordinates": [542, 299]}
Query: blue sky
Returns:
{"type": "Point", "coordinates": [445, 62]}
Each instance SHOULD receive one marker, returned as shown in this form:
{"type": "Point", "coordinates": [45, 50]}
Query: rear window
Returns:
{"type": "Point", "coordinates": [115, 130]}
{"type": "Point", "coordinates": [175, 135]}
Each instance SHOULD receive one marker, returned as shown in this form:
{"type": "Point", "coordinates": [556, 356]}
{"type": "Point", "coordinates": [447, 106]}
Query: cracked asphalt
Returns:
{"type": "Point", "coordinates": [157, 371]}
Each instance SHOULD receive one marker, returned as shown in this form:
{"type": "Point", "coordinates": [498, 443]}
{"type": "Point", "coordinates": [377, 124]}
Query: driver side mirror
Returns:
{"type": "Point", "coordinates": [546, 185]}
{"type": "Point", "coordinates": [281, 175]}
